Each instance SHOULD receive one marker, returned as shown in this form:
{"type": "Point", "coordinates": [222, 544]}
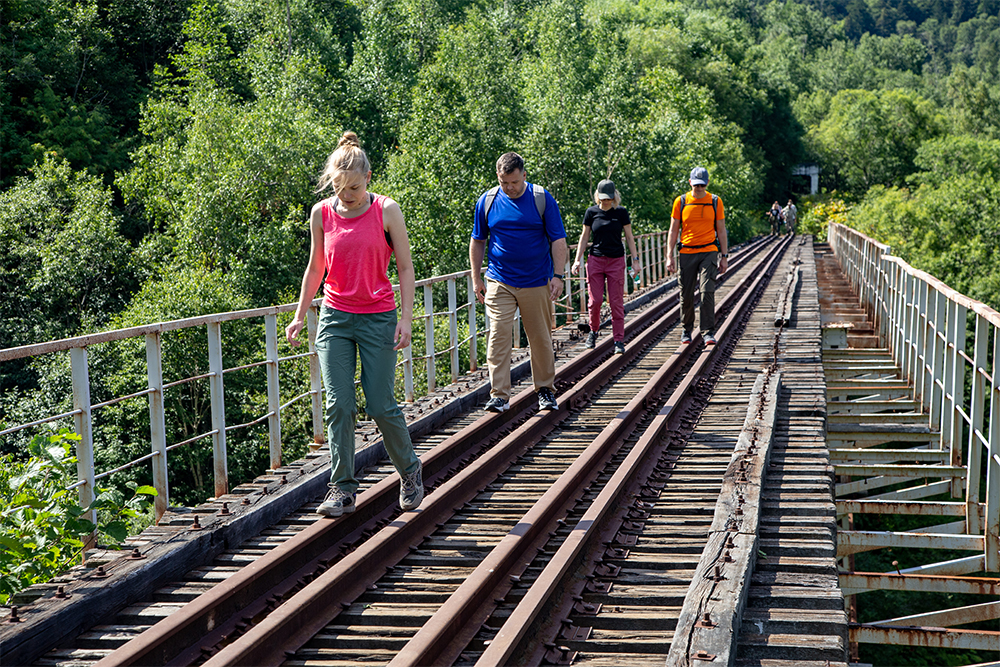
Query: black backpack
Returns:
{"type": "Point", "coordinates": [715, 208]}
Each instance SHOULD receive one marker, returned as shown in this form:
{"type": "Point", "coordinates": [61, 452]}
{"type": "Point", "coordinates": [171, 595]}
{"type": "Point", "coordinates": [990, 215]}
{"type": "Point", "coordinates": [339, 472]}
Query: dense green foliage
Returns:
{"type": "Point", "coordinates": [158, 159]}
{"type": "Point", "coordinates": [43, 528]}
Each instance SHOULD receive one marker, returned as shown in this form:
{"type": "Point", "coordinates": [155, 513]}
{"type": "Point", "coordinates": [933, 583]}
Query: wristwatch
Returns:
{"type": "Point", "coordinates": [559, 276]}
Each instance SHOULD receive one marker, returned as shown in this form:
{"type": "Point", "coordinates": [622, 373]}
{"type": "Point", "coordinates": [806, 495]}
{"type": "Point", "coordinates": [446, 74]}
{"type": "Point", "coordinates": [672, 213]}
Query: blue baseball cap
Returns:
{"type": "Point", "coordinates": [699, 176]}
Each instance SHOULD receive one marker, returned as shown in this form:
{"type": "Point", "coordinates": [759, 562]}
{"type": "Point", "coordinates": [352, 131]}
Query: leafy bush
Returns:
{"type": "Point", "coordinates": [42, 529]}
{"type": "Point", "coordinates": [815, 217]}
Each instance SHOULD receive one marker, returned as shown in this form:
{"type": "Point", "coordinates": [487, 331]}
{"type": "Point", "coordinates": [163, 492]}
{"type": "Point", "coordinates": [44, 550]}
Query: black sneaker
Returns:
{"type": "Point", "coordinates": [546, 399]}
{"type": "Point", "coordinates": [591, 340]}
{"type": "Point", "coordinates": [619, 347]}
{"type": "Point", "coordinates": [496, 404]}
{"type": "Point", "coordinates": [337, 502]}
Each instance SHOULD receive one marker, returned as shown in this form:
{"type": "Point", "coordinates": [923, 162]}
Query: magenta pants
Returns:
{"type": "Point", "coordinates": [612, 270]}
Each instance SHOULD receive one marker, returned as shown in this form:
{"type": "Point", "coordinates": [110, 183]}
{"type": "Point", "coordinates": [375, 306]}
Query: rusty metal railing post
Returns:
{"type": "Point", "coordinates": [976, 416]}
{"type": "Point", "coordinates": [429, 337]}
{"type": "Point", "coordinates": [473, 328]}
{"type": "Point", "coordinates": [992, 527]}
{"type": "Point", "coordinates": [920, 363]}
{"type": "Point", "coordinates": [216, 368]}
{"type": "Point", "coordinates": [939, 318]}
{"type": "Point", "coordinates": [315, 380]}
{"type": "Point", "coordinates": [273, 393]}
{"type": "Point", "coordinates": [157, 424]}
{"type": "Point", "coordinates": [453, 327]}
{"type": "Point", "coordinates": [85, 429]}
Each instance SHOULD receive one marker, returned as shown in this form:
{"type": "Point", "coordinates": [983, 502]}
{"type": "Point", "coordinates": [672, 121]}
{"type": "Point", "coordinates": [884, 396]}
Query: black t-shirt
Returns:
{"type": "Point", "coordinates": [606, 230]}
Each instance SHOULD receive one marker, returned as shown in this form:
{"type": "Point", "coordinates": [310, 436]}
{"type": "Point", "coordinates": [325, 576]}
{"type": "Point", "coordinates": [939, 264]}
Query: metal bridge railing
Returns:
{"type": "Point", "coordinates": [926, 325]}
{"type": "Point", "coordinates": [573, 303]}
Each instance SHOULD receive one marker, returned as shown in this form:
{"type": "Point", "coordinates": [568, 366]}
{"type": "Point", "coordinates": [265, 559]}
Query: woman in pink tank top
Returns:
{"type": "Point", "coordinates": [353, 235]}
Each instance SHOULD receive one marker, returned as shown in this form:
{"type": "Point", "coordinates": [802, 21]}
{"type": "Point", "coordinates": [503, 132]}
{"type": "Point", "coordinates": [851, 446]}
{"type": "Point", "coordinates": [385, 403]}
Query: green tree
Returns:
{"type": "Point", "coordinates": [64, 265]}
{"type": "Point", "coordinates": [870, 138]}
{"type": "Point", "coordinates": [65, 89]}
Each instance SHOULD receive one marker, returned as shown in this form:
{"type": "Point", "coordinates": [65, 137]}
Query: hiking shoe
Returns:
{"type": "Point", "coordinates": [619, 347]}
{"type": "Point", "coordinates": [546, 399]}
{"type": "Point", "coordinates": [709, 339]}
{"type": "Point", "coordinates": [686, 337]}
{"type": "Point", "coordinates": [496, 404]}
{"type": "Point", "coordinates": [337, 502]}
{"type": "Point", "coordinates": [411, 489]}
{"type": "Point", "coordinates": [591, 340]}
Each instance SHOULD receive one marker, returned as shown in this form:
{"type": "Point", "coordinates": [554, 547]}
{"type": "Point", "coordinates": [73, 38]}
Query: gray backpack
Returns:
{"type": "Point", "coordinates": [536, 190]}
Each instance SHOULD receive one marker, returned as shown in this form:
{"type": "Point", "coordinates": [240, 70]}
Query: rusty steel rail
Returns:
{"type": "Point", "coordinates": [320, 602]}
{"type": "Point", "coordinates": [526, 632]}
{"type": "Point", "coordinates": [258, 588]}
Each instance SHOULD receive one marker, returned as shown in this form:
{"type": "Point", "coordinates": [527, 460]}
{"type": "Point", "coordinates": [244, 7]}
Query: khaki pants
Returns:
{"type": "Point", "coordinates": [502, 301]}
{"type": "Point", "coordinates": [699, 268]}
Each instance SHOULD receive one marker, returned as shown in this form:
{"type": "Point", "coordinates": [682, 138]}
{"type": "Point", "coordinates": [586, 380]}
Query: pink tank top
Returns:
{"type": "Point", "coordinates": [357, 260]}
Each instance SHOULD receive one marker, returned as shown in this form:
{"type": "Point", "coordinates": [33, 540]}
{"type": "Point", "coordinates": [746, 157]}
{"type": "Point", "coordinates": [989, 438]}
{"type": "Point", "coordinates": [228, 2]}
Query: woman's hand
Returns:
{"type": "Point", "coordinates": [404, 332]}
{"type": "Point", "coordinates": [575, 268]}
{"type": "Point", "coordinates": [292, 332]}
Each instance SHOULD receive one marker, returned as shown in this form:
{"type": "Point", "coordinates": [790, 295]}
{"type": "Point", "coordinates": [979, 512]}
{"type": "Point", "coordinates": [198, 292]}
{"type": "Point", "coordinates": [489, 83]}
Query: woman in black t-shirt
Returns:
{"type": "Point", "coordinates": [606, 222]}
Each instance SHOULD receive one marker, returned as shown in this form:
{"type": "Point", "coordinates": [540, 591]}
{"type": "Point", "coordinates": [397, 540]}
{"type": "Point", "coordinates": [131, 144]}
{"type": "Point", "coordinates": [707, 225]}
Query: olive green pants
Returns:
{"type": "Point", "coordinates": [340, 339]}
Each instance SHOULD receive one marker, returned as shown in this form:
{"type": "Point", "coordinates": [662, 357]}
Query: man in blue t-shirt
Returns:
{"type": "Point", "coordinates": [527, 255]}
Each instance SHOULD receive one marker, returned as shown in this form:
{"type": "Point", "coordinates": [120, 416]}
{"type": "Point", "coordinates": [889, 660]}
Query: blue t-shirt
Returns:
{"type": "Point", "coordinates": [518, 247]}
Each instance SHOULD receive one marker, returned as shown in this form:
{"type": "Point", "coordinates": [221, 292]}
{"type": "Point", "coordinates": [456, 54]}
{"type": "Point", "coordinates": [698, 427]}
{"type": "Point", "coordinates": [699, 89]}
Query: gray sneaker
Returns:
{"type": "Point", "coordinates": [591, 340]}
{"type": "Point", "coordinates": [619, 347]}
{"type": "Point", "coordinates": [546, 399]}
{"type": "Point", "coordinates": [496, 404]}
{"type": "Point", "coordinates": [337, 502]}
{"type": "Point", "coordinates": [709, 339]}
{"type": "Point", "coordinates": [411, 489]}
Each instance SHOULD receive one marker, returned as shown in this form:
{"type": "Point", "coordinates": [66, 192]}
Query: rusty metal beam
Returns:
{"type": "Point", "coordinates": [973, 640]}
{"type": "Point", "coordinates": [900, 470]}
{"type": "Point", "coordinates": [863, 582]}
{"type": "Point", "coordinates": [856, 541]}
{"type": "Point", "coordinates": [988, 611]}
{"type": "Point", "coordinates": [914, 508]}
{"type": "Point", "coordinates": [872, 456]}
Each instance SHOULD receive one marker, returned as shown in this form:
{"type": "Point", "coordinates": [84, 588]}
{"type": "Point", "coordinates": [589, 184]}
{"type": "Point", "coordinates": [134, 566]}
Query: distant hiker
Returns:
{"type": "Point", "coordinates": [774, 215]}
{"type": "Point", "coordinates": [791, 216]}
{"type": "Point", "coordinates": [698, 220]}
{"type": "Point", "coordinates": [353, 235]}
{"type": "Point", "coordinates": [607, 220]}
{"type": "Point", "coordinates": [527, 253]}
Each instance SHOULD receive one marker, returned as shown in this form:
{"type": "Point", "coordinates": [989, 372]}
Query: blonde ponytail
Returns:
{"type": "Point", "coordinates": [348, 160]}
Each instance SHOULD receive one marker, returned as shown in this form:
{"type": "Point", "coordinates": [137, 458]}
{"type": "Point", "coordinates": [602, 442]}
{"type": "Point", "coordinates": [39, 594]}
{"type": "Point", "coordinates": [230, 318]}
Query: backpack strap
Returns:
{"type": "Point", "coordinates": [715, 208]}
{"type": "Point", "coordinates": [537, 191]}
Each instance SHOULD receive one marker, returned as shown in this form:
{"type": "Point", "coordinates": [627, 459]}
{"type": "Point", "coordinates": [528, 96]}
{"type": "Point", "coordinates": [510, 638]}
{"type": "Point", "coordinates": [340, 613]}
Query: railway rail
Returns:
{"type": "Point", "coordinates": [560, 537]}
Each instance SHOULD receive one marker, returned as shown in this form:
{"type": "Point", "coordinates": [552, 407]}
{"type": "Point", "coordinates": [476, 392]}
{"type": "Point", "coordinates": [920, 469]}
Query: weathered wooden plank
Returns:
{"type": "Point", "coordinates": [710, 619]}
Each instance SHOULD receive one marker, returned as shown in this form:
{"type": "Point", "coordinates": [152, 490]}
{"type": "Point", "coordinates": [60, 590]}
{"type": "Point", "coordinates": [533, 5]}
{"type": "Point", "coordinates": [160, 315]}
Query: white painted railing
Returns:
{"type": "Point", "coordinates": [652, 248]}
{"type": "Point", "coordinates": [925, 324]}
